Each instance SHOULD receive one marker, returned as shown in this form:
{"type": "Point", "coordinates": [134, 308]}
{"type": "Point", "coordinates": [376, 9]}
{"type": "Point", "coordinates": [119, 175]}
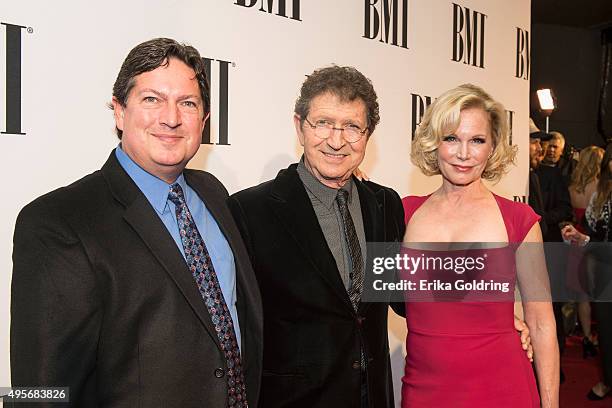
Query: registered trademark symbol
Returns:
{"type": "Point", "coordinates": [30, 30]}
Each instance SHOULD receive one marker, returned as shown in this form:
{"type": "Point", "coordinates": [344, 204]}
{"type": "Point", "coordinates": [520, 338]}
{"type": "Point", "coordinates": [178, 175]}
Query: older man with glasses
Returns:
{"type": "Point", "coordinates": [306, 234]}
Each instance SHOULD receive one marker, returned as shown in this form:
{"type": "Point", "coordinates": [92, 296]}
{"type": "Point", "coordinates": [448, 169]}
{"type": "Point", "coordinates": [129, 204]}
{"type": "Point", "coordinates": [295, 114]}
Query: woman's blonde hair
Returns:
{"type": "Point", "coordinates": [604, 185]}
{"type": "Point", "coordinates": [442, 118]}
{"type": "Point", "coordinates": [588, 168]}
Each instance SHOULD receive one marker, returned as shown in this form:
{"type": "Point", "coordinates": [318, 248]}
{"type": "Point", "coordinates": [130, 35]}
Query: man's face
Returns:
{"type": "Point", "coordinates": [332, 160]}
{"type": "Point", "coordinates": [163, 120]}
{"type": "Point", "coordinates": [554, 150]}
{"type": "Point", "coordinates": [535, 151]}
{"type": "Point", "coordinates": [544, 148]}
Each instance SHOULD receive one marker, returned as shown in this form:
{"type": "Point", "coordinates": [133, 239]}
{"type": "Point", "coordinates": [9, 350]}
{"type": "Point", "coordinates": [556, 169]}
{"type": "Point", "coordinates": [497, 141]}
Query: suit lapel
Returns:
{"type": "Point", "coordinates": [373, 222]}
{"type": "Point", "coordinates": [291, 204]}
{"type": "Point", "coordinates": [142, 217]}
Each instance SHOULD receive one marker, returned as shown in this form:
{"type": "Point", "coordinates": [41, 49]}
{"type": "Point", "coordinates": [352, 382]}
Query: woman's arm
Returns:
{"type": "Point", "coordinates": [531, 267]}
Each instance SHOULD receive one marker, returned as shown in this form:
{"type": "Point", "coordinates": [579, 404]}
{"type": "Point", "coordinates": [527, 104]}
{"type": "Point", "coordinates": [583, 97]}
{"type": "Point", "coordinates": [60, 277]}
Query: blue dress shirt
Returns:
{"type": "Point", "coordinates": [156, 191]}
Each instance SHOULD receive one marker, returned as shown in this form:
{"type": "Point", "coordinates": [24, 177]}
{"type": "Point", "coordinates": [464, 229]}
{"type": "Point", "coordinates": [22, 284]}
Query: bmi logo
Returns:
{"type": "Point", "coordinates": [468, 36]}
{"type": "Point", "coordinates": [12, 104]}
{"type": "Point", "coordinates": [267, 6]}
{"type": "Point", "coordinates": [510, 117]}
{"type": "Point", "coordinates": [523, 57]}
{"type": "Point", "coordinates": [386, 20]}
{"type": "Point", "coordinates": [220, 100]}
{"type": "Point", "coordinates": [419, 104]}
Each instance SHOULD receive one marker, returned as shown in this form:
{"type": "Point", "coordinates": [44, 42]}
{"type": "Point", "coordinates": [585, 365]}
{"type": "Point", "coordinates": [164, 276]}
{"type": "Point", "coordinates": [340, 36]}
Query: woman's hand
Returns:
{"type": "Point", "coordinates": [572, 235]}
{"type": "Point", "coordinates": [522, 328]}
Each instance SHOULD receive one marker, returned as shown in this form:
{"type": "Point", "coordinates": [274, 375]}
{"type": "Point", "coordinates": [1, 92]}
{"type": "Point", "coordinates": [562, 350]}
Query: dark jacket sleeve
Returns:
{"type": "Point", "coordinates": [562, 211]}
{"type": "Point", "coordinates": [55, 310]}
{"type": "Point", "coordinates": [241, 222]}
{"type": "Point", "coordinates": [557, 204]}
{"type": "Point", "coordinates": [394, 210]}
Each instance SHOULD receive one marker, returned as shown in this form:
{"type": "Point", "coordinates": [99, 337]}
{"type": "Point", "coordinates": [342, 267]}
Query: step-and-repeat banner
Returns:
{"type": "Point", "coordinates": [59, 60]}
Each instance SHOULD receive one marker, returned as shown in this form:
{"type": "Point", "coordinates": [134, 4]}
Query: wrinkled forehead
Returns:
{"type": "Point", "coordinates": [341, 96]}
{"type": "Point", "coordinates": [335, 102]}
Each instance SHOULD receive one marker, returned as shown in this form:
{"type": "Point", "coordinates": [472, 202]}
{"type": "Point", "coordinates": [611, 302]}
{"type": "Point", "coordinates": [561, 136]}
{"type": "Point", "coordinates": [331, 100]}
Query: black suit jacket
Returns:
{"type": "Point", "coordinates": [556, 200]}
{"type": "Point", "coordinates": [103, 301]}
{"type": "Point", "coordinates": [536, 201]}
{"type": "Point", "coordinates": [312, 335]}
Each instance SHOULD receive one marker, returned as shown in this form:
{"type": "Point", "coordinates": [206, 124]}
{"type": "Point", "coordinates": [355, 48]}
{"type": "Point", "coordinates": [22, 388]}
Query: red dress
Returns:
{"type": "Point", "coordinates": [578, 216]}
{"type": "Point", "coordinates": [468, 354]}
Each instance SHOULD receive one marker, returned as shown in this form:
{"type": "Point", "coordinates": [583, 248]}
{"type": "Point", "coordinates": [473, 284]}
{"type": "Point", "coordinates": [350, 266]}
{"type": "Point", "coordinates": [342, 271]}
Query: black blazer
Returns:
{"type": "Point", "coordinates": [312, 335]}
{"type": "Point", "coordinates": [103, 301]}
{"type": "Point", "coordinates": [556, 198]}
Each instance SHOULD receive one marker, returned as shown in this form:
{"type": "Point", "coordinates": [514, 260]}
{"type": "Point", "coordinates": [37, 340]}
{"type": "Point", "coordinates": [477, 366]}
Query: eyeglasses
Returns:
{"type": "Point", "coordinates": [324, 129]}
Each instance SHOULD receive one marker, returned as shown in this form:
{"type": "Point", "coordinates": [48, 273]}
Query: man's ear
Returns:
{"type": "Point", "coordinates": [297, 121]}
{"type": "Point", "coordinates": [206, 117]}
{"type": "Point", "coordinates": [118, 112]}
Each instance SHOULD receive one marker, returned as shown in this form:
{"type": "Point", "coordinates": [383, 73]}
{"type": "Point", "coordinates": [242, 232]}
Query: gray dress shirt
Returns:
{"type": "Point", "coordinates": [324, 203]}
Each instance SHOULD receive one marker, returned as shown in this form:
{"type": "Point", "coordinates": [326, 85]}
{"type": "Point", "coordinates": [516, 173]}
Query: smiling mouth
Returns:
{"type": "Point", "coordinates": [168, 138]}
{"type": "Point", "coordinates": [462, 168]}
{"type": "Point", "coordinates": [334, 155]}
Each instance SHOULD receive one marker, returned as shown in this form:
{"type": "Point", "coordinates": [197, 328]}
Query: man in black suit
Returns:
{"type": "Point", "coordinates": [132, 286]}
{"type": "Point", "coordinates": [536, 201]}
{"type": "Point", "coordinates": [305, 232]}
{"type": "Point", "coordinates": [550, 198]}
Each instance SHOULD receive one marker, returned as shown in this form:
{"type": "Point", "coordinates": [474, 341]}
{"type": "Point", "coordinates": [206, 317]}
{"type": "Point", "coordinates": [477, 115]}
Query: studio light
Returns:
{"type": "Point", "coordinates": [547, 103]}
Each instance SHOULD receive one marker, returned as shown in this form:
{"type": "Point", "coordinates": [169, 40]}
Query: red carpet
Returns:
{"type": "Point", "coordinates": [580, 376]}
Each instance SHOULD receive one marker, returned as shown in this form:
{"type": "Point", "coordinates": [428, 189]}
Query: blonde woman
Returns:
{"type": "Point", "coordinates": [467, 353]}
{"type": "Point", "coordinates": [598, 223]}
{"type": "Point", "coordinates": [582, 186]}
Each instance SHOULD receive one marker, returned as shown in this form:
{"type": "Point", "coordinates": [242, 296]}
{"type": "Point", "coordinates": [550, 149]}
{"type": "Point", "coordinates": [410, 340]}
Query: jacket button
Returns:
{"type": "Point", "coordinates": [356, 365]}
{"type": "Point", "coordinates": [219, 373]}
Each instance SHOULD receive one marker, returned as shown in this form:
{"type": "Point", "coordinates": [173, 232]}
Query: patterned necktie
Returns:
{"type": "Point", "coordinates": [354, 248]}
{"type": "Point", "coordinates": [201, 267]}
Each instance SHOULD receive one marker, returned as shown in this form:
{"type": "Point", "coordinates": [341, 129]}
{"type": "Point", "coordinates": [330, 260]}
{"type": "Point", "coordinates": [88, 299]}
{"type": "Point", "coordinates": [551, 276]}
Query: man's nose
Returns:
{"type": "Point", "coordinates": [336, 140]}
{"type": "Point", "coordinates": [170, 115]}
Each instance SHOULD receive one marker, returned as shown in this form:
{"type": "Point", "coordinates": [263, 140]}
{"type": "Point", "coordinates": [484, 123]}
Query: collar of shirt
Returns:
{"type": "Point", "coordinates": [155, 189]}
{"type": "Point", "coordinates": [324, 194]}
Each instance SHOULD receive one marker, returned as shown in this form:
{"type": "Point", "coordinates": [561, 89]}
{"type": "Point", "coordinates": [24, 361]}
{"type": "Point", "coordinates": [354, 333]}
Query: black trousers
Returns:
{"type": "Point", "coordinates": [602, 255]}
{"type": "Point", "coordinates": [603, 313]}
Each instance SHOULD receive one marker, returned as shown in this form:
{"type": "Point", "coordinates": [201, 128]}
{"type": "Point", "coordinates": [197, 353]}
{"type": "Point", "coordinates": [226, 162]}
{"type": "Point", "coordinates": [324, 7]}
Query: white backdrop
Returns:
{"type": "Point", "coordinates": [71, 52]}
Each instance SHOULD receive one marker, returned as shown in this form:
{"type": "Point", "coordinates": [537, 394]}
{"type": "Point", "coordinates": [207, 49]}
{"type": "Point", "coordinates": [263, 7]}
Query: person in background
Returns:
{"type": "Point", "coordinates": [582, 186]}
{"type": "Point", "coordinates": [597, 224]}
{"type": "Point", "coordinates": [554, 150]}
{"type": "Point", "coordinates": [557, 210]}
{"type": "Point", "coordinates": [465, 353]}
{"type": "Point", "coordinates": [544, 146]}
{"type": "Point", "coordinates": [559, 155]}
{"type": "Point", "coordinates": [536, 200]}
